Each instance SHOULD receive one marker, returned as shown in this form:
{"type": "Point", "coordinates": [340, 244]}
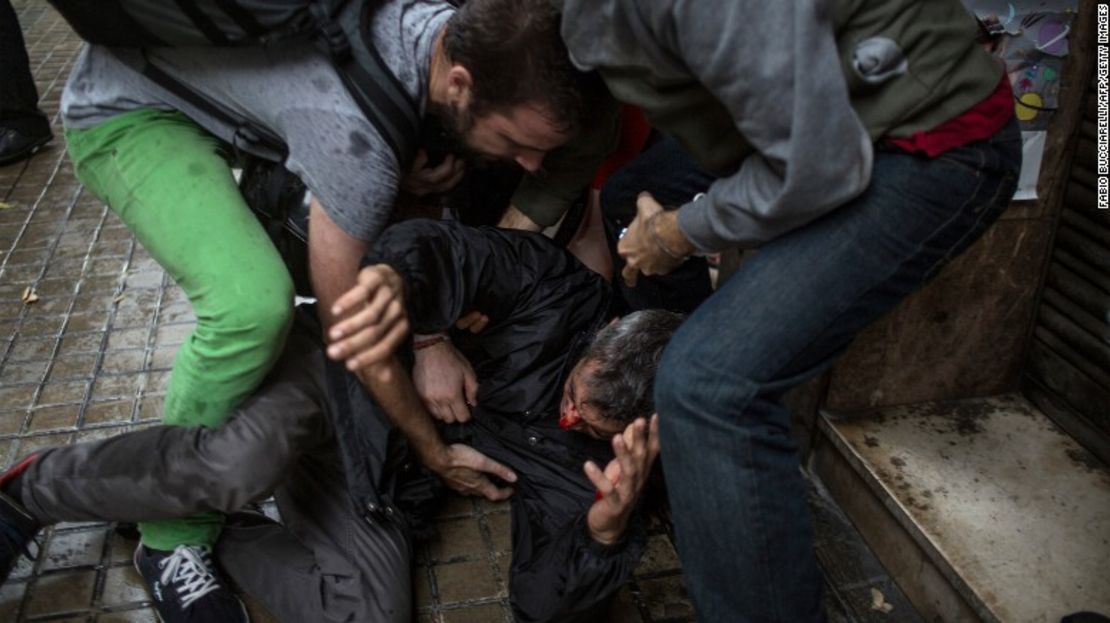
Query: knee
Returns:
{"type": "Point", "coordinates": [703, 377]}
{"type": "Point", "coordinates": [257, 315]}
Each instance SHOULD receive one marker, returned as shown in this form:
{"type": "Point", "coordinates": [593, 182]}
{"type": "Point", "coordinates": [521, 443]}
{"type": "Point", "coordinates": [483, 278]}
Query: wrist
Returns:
{"type": "Point", "coordinates": [608, 535]}
{"type": "Point", "coordinates": [665, 233]}
{"type": "Point", "coordinates": [421, 341]}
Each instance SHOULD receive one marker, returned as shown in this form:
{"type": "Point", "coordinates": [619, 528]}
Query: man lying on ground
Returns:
{"type": "Point", "coordinates": [560, 418]}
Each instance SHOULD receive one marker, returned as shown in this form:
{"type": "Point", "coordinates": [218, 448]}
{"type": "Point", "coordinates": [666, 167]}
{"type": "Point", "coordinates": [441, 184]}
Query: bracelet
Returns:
{"type": "Point", "coordinates": [650, 225]}
{"type": "Point", "coordinates": [430, 341]}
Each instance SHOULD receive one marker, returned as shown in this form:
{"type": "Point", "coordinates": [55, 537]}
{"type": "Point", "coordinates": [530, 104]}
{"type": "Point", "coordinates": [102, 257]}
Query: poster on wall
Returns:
{"type": "Point", "coordinates": [1031, 38]}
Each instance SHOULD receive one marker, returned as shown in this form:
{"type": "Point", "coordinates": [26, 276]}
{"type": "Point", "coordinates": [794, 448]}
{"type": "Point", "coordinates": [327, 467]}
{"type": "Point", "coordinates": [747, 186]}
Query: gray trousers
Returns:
{"type": "Point", "coordinates": [326, 563]}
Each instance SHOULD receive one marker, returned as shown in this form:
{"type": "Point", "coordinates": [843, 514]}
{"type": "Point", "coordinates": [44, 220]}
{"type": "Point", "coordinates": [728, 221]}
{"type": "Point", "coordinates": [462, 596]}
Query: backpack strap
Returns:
{"type": "Point", "coordinates": [376, 90]}
{"type": "Point", "coordinates": [248, 137]}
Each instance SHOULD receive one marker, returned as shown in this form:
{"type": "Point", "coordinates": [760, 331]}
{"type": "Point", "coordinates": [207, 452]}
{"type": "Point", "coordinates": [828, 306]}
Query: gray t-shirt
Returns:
{"type": "Point", "coordinates": [291, 90]}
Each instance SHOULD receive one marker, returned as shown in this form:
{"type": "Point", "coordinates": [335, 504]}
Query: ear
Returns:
{"type": "Point", "coordinates": [459, 83]}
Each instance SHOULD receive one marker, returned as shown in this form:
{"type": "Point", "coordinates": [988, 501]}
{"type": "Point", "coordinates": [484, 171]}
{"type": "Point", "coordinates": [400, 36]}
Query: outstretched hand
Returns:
{"type": "Point", "coordinates": [465, 470]}
{"type": "Point", "coordinates": [374, 320]}
{"type": "Point", "coordinates": [622, 481]}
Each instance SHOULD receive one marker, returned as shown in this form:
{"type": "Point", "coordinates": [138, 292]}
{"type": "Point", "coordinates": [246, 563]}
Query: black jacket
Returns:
{"type": "Point", "coordinates": [544, 307]}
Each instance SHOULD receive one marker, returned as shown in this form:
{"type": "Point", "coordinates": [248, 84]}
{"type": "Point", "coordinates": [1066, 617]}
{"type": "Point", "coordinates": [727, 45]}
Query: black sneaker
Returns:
{"type": "Point", "coordinates": [17, 528]}
{"type": "Point", "coordinates": [186, 586]}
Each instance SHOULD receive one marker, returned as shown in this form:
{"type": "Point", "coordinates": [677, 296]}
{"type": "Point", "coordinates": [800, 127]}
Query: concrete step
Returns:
{"type": "Point", "coordinates": [980, 509]}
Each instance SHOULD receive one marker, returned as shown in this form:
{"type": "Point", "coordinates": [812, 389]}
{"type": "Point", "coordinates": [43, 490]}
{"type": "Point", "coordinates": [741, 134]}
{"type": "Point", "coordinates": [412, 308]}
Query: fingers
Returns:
{"type": "Point", "coordinates": [646, 206]}
{"type": "Point", "coordinates": [470, 389]}
{"type": "Point", "coordinates": [382, 307]}
{"type": "Point", "coordinates": [382, 348]}
{"type": "Point", "coordinates": [423, 180]}
{"type": "Point", "coordinates": [489, 466]}
{"type": "Point", "coordinates": [493, 493]}
{"type": "Point", "coordinates": [419, 161]}
{"type": "Point", "coordinates": [653, 438]}
{"type": "Point", "coordinates": [474, 322]}
{"type": "Point", "coordinates": [440, 411]}
{"type": "Point", "coordinates": [472, 459]}
{"type": "Point", "coordinates": [447, 174]}
{"type": "Point", "coordinates": [601, 483]}
{"type": "Point", "coordinates": [366, 330]}
{"type": "Point", "coordinates": [630, 274]}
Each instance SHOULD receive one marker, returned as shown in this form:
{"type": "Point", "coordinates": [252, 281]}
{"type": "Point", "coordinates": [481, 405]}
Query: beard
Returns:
{"type": "Point", "coordinates": [455, 125]}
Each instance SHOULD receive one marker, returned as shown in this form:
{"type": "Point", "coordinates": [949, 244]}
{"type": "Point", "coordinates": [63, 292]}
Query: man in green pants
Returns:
{"type": "Point", "coordinates": [156, 160]}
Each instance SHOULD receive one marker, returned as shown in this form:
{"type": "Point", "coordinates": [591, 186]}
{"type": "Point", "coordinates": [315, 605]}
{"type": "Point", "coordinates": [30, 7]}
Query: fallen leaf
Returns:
{"type": "Point", "coordinates": [6, 206]}
{"type": "Point", "coordinates": [29, 296]}
{"type": "Point", "coordinates": [878, 601]}
{"type": "Point", "coordinates": [119, 298]}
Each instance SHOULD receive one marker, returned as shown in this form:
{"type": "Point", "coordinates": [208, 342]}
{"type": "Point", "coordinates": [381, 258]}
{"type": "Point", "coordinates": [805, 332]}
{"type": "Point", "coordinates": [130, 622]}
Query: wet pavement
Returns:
{"type": "Point", "coordinates": [91, 356]}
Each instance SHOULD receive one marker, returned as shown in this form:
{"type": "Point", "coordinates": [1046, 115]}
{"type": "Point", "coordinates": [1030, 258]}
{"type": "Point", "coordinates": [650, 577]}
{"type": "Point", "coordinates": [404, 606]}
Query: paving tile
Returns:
{"type": "Point", "coordinates": [42, 326]}
{"type": "Point", "coordinates": [59, 593]}
{"type": "Point", "coordinates": [79, 548]}
{"type": "Point", "coordinates": [123, 339]}
{"type": "Point", "coordinates": [485, 613]}
{"type": "Point", "coordinates": [150, 407]}
{"type": "Point", "coordinates": [11, 422]}
{"type": "Point", "coordinates": [666, 598]}
{"type": "Point", "coordinates": [19, 372]}
{"type": "Point", "coordinates": [17, 396]}
{"type": "Point", "coordinates": [500, 531]}
{"type": "Point", "coordinates": [115, 387]}
{"type": "Point", "coordinates": [660, 556]}
{"type": "Point", "coordinates": [53, 418]}
{"type": "Point", "coordinates": [123, 586]}
{"type": "Point", "coordinates": [71, 367]}
{"type": "Point", "coordinates": [421, 587]}
{"type": "Point", "coordinates": [464, 581]}
{"type": "Point", "coordinates": [63, 392]}
{"type": "Point", "coordinates": [28, 349]}
{"type": "Point", "coordinates": [87, 321]}
{"type": "Point", "coordinates": [122, 361]}
{"type": "Point", "coordinates": [114, 411]}
{"type": "Point", "coordinates": [459, 539]}
{"type": "Point", "coordinates": [87, 342]}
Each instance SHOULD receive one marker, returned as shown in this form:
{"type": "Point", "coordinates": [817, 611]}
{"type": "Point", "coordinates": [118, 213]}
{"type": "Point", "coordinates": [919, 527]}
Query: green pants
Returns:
{"type": "Point", "coordinates": [164, 177]}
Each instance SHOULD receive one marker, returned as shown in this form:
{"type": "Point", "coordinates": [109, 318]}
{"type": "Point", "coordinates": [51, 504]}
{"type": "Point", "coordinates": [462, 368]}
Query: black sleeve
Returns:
{"type": "Point", "coordinates": [450, 269]}
{"type": "Point", "coordinates": [559, 573]}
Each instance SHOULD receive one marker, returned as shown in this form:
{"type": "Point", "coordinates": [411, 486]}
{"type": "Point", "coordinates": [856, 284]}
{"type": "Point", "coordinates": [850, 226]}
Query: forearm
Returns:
{"type": "Point", "coordinates": [333, 258]}
{"type": "Point", "coordinates": [390, 384]}
{"type": "Point", "coordinates": [513, 218]}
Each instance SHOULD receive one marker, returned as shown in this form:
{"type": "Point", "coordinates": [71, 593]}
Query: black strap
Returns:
{"type": "Point", "coordinates": [247, 137]}
{"type": "Point", "coordinates": [376, 90]}
{"type": "Point", "coordinates": [203, 23]}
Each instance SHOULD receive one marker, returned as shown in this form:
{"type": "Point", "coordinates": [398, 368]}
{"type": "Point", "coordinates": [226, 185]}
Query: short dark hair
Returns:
{"type": "Point", "coordinates": [626, 356]}
{"type": "Point", "coordinates": [515, 55]}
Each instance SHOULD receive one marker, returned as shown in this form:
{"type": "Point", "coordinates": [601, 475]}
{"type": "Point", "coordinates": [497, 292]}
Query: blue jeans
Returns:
{"type": "Point", "coordinates": [733, 476]}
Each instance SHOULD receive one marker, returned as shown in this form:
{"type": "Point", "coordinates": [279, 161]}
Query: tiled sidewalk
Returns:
{"type": "Point", "coordinates": [90, 358]}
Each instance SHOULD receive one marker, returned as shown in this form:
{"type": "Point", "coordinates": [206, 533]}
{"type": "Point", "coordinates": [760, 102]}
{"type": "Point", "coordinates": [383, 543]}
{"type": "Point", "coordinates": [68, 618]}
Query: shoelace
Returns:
{"type": "Point", "coordinates": [190, 569]}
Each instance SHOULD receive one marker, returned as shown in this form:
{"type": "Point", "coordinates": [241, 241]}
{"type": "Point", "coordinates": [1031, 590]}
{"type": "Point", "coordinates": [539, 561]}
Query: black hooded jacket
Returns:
{"type": "Point", "coordinates": [543, 308]}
